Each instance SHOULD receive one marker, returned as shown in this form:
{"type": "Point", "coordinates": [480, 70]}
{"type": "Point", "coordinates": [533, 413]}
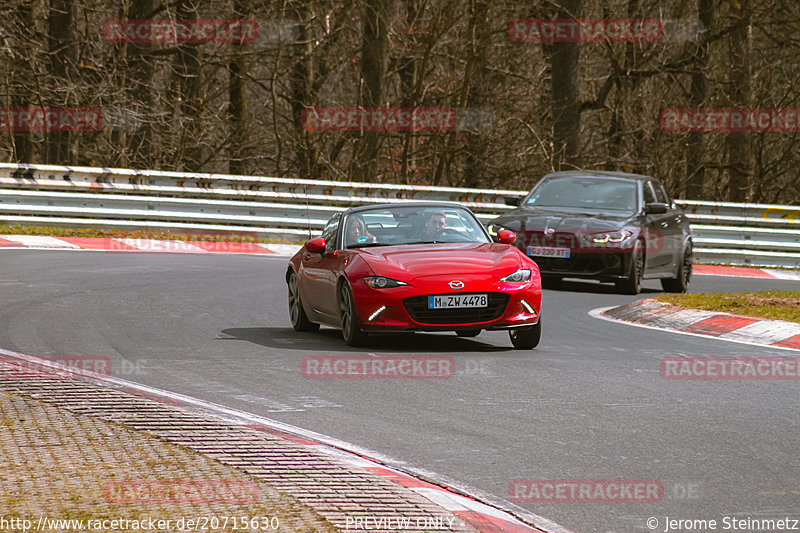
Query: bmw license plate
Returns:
{"type": "Point", "coordinates": [458, 301]}
{"type": "Point", "coordinates": [546, 251]}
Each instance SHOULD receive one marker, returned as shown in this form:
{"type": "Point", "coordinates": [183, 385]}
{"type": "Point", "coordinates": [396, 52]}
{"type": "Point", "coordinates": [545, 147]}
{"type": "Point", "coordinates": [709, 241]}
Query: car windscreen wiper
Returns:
{"type": "Point", "coordinates": [368, 244]}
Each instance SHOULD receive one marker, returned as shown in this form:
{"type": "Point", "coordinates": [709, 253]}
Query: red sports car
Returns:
{"type": "Point", "coordinates": [414, 267]}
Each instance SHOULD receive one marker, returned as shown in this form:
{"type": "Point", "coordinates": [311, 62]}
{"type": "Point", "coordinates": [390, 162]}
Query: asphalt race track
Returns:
{"type": "Point", "coordinates": [589, 403]}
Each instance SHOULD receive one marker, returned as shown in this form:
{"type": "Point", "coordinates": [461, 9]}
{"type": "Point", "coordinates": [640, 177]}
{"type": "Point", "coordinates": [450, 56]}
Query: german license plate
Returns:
{"type": "Point", "coordinates": [546, 251]}
{"type": "Point", "coordinates": [457, 301]}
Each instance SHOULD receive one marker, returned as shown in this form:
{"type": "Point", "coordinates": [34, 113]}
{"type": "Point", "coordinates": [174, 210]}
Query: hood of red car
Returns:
{"type": "Point", "coordinates": [421, 260]}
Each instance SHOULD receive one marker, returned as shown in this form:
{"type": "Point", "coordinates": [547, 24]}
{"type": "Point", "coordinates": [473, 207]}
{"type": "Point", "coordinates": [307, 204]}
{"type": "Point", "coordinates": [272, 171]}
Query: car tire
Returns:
{"type": "Point", "coordinates": [297, 314]}
{"type": "Point", "coordinates": [468, 333]}
{"type": "Point", "coordinates": [633, 284]}
{"type": "Point", "coordinates": [680, 283]}
{"type": "Point", "coordinates": [526, 338]}
{"type": "Point", "coordinates": [351, 330]}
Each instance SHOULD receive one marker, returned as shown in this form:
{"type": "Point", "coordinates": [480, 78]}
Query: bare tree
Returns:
{"type": "Point", "coordinates": [695, 168]}
{"type": "Point", "coordinates": [566, 104]}
{"type": "Point", "coordinates": [236, 97]}
{"type": "Point", "coordinates": [185, 92]}
{"type": "Point", "coordinates": [475, 78]}
{"type": "Point", "coordinates": [738, 142]}
{"type": "Point", "coordinates": [62, 66]}
{"type": "Point", "coordinates": [373, 68]}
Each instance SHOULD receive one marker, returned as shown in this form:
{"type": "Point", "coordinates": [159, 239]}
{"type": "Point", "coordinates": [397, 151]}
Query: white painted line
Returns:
{"type": "Point", "coordinates": [152, 245]}
{"type": "Point", "coordinates": [767, 331]}
{"type": "Point", "coordinates": [783, 274]}
{"type": "Point", "coordinates": [598, 313]}
{"type": "Point", "coordinates": [40, 241]}
{"type": "Point", "coordinates": [283, 249]}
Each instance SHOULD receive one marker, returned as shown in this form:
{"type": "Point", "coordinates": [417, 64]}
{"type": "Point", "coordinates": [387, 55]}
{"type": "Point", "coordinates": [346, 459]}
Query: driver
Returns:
{"type": "Point", "coordinates": [357, 231]}
{"type": "Point", "coordinates": [435, 225]}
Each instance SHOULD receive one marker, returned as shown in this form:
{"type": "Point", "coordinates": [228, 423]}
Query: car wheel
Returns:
{"type": "Point", "coordinates": [297, 314]}
{"type": "Point", "coordinates": [351, 330]}
{"type": "Point", "coordinates": [681, 282]}
{"type": "Point", "coordinates": [468, 333]}
{"type": "Point", "coordinates": [633, 285]}
{"type": "Point", "coordinates": [526, 338]}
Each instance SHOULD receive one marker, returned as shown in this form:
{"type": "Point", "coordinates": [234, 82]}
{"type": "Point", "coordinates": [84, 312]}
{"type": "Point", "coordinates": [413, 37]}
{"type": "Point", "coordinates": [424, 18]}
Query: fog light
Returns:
{"type": "Point", "coordinates": [377, 313]}
{"type": "Point", "coordinates": [527, 307]}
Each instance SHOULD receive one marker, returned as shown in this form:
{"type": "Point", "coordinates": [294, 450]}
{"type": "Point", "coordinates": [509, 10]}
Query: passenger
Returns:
{"type": "Point", "coordinates": [357, 232]}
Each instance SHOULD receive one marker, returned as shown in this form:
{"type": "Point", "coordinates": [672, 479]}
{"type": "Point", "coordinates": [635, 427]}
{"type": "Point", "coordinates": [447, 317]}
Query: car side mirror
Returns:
{"type": "Point", "coordinates": [505, 236]}
{"type": "Point", "coordinates": [655, 208]}
{"type": "Point", "coordinates": [513, 200]}
{"type": "Point", "coordinates": [316, 246]}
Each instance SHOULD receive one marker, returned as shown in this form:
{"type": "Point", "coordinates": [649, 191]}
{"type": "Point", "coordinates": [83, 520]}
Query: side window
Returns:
{"type": "Point", "coordinates": [330, 232]}
{"type": "Point", "coordinates": [649, 196]}
{"type": "Point", "coordinates": [661, 193]}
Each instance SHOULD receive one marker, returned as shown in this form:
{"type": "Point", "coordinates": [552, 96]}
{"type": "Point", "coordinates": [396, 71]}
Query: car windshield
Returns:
{"type": "Point", "coordinates": [391, 226]}
{"type": "Point", "coordinates": [585, 193]}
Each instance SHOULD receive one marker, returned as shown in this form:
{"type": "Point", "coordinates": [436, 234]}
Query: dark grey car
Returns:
{"type": "Point", "coordinates": [609, 226]}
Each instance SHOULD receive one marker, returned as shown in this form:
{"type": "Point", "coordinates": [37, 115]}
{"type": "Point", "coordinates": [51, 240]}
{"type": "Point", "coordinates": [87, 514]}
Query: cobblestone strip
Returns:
{"type": "Point", "coordinates": [338, 491]}
{"type": "Point", "coordinates": [63, 471]}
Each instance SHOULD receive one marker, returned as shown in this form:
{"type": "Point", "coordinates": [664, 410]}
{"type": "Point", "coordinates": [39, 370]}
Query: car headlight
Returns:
{"type": "Point", "coordinates": [380, 282]}
{"type": "Point", "coordinates": [520, 276]}
{"type": "Point", "coordinates": [614, 237]}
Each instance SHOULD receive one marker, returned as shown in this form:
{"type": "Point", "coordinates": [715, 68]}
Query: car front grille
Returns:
{"type": "Point", "coordinates": [561, 239]}
{"type": "Point", "coordinates": [579, 262]}
{"type": "Point", "coordinates": [582, 264]}
{"type": "Point", "coordinates": [417, 308]}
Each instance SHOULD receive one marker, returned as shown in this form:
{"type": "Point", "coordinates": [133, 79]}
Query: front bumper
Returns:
{"type": "Point", "coordinates": [404, 308]}
{"type": "Point", "coordinates": [601, 266]}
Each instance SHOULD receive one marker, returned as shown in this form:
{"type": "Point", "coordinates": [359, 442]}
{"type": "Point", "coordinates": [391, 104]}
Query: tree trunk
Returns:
{"type": "Point", "coordinates": [474, 80]}
{"type": "Point", "coordinates": [566, 107]}
{"type": "Point", "coordinates": [62, 61]}
{"type": "Point", "coordinates": [236, 99]}
{"type": "Point", "coordinates": [301, 79]}
{"type": "Point", "coordinates": [374, 42]}
{"type": "Point", "coordinates": [22, 149]}
{"type": "Point", "coordinates": [695, 168]}
{"type": "Point", "coordinates": [407, 71]}
{"type": "Point", "coordinates": [139, 77]}
{"type": "Point", "coordinates": [187, 81]}
{"type": "Point", "coordinates": [738, 142]}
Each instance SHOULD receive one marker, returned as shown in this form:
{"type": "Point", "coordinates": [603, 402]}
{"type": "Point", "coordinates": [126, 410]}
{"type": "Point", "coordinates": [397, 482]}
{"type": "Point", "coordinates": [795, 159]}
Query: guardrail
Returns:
{"type": "Point", "coordinates": [737, 234]}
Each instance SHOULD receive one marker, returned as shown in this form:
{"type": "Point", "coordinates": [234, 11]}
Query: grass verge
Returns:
{"type": "Point", "coordinates": [773, 305]}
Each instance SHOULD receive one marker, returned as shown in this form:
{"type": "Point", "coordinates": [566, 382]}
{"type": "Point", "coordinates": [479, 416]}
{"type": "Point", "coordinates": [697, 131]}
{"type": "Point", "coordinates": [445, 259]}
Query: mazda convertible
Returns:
{"type": "Point", "coordinates": [414, 266]}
